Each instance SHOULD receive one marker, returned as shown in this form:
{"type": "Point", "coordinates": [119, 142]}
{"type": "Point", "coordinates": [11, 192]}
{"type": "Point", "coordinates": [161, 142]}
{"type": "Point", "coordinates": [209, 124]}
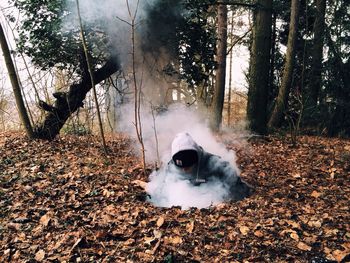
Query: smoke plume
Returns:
{"type": "Point", "coordinates": [169, 189]}
{"type": "Point", "coordinates": [155, 46]}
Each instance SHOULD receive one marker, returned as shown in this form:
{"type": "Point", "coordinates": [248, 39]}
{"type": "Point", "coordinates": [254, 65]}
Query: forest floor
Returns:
{"type": "Point", "coordinates": [62, 201]}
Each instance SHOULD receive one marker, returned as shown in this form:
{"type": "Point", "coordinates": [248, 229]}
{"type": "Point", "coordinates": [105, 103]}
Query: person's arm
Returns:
{"type": "Point", "coordinates": [229, 175]}
{"type": "Point", "coordinates": [219, 168]}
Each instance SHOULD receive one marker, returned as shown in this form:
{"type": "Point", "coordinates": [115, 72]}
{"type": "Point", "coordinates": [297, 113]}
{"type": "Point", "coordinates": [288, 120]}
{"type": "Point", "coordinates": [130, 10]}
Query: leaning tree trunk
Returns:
{"type": "Point", "coordinates": [68, 102]}
{"type": "Point", "coordinates": [283, 92]}
{"type": "Point", "coordinates": [259, 67]}
{"type": "Point", "coordinates": [15, 84]}
{"type": "Point", "coordinates": [219, 92]}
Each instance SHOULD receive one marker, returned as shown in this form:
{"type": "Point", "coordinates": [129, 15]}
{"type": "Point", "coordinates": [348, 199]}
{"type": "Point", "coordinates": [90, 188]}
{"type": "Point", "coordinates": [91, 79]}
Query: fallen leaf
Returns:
{"type": "Point", "coordinates": [160, 221]}
{"type": "Point", "coordinates": [328, 253]}
{"type": "Point", "coordinates": [148, 240]}
{"type": "Point", "coordinates": [40, 255]}
{"type": "Point", "coordinates": [45, 220]}
{"type": "Point", "coordinates": [296, 175]}
{"type": "Point", "coordinates": [140, 183]}
{"type": "Point", "coordinates": [244, 230]}
{"type": "Point", "coordinates": [190, 227]}
{"type": "Point", "coordinates": [294, 235]}
{"type": "Point", "coordinates": [315, 223]}
{"type": "Point", "coordinates": [258, 233]}
{"type": "Point", "coordinates": [293, 224]}
{"type": "Point", "coordinates": [315, 194]}
{"type": "Point", "coordinates": [129, 242]}
{"type": "Point", "coordinates": [175, 240]}
{"type": "Point", "coordinates": [157, 234]}
{"type": "Point", "coordinates": [262, 174]}
{"type": "Point", "coordinates": [339, 254]}
{"type": "Point", "coordinates": [303, 246]}
{"type": "Point", "coordinates": [106, 193]}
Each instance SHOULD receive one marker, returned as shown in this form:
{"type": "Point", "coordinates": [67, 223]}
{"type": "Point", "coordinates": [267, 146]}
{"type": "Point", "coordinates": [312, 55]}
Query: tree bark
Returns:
{"type": "Point", "coordinates": [230, 74]}
{"type": "Point", "coordinates": [283, 92]}
{"type": "Point", "coordinates": [317, 53]}
{"type": "Point", "coordinates": [68, 102]}
{"type": "Point", "coordinates": [92, 79]}
{"type": "Point", "coordinates": [259, 67]}
{"type": "Point", "coordinates": [220, 78]}
{"type": "Point", "coordinates": [22, 111]}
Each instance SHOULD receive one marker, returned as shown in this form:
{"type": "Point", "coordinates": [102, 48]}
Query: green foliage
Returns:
{"type": "Point", "coordinates": [45, 35]}
{"type": "Point", "coordinates": [197, 42]}
{"type": "Point", "coordinates": [49, 35]}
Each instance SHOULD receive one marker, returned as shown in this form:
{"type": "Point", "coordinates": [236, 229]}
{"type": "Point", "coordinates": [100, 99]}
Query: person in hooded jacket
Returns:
{"type": "Point", "coordinates": [198, 166]}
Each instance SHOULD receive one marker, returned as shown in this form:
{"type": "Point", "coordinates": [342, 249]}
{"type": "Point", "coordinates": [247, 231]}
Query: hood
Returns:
{"type": "Point", "coordinates": [183, 141]}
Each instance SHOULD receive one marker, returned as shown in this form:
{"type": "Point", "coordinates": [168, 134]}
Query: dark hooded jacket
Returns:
{"type": "Point", "coordinates": [209, 167]}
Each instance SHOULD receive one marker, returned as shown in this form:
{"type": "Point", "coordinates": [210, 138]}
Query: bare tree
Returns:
{"type": "Point", "coordinates": [22, 111]}
{"type": "Point", "coordinates": [89, 64]}
{"type": "Point", "coordinates": [283, 92]}
{"type": "Point", "coordinates": [220, 80]}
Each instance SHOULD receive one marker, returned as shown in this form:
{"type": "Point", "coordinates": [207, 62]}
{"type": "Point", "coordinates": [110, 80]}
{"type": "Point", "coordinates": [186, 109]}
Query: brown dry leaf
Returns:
{"type": "Point", "coordinates": [315, 223]}
{"type": "Point", "coordinates": [303, 246]}
{"type": "Point", "coordinates": [293, 224]}
{"type": "Point", "coordinates": [45, 219]}
{"type": "Point", "coordinates": [232, 235]}
{"type": "Point", "coordinates": [258, 233]}
{"type": "Point", "coordinates": [315, 194]}
{"type": "Point", "coordinates": [40, 255]}
{"type": "Point", "coordinates": [244, 230]}
{"type": "Point", "coordinates": [296, 175]}
{"type": "Point", "coordinates": [175, 240]}
{"type": "Point", "coordinates": [129, 242]}
{"type": "Point", "coordinates": [140, 183]}
{"type": "Point", "coordinates": [157, 234]}
{"type": "Point", "coordinates": [160, 221]}
{"type": "Point", "coordinates": [339, 254]}
{"type": "Point", "coordinates": [106, 193]}
{"type": "Point", "coordinates": [346, 246]}
{"type": "Point", "coordinates": [262, 174]}
{"type": "Point", "coordinates": [190, 227]}
{"type": "Point", "coordinates": [148, 240]}
{"type": "Point", "coordinates": [294, 235]}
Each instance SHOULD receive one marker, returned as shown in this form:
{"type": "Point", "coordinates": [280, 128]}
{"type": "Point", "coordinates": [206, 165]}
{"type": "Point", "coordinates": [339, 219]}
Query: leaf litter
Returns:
{"type": "Point", "coordinates": [62, 201]}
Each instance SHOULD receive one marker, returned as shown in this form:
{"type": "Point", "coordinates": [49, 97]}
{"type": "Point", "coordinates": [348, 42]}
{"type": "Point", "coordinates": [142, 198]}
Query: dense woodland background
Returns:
{"type": "Point", "coordinates": [79, 68]}
{"type": "Point", "coordinates": [297, 76]}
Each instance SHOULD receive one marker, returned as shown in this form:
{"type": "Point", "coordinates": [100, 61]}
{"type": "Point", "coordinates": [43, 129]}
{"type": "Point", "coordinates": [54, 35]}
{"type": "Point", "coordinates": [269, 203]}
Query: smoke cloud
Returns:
{"type": "Point", "coordinates": [158, 129]}
{"type": "Point", "coordinates": [170, 189]}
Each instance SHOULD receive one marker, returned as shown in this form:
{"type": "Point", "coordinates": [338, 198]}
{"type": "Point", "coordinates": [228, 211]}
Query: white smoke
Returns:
{"type": "Point", "coordinates": [169, 188]}
{"type": "Point", "coordinates": [166, 189]}
{"type": "Point", "coordinates": [177, 118]}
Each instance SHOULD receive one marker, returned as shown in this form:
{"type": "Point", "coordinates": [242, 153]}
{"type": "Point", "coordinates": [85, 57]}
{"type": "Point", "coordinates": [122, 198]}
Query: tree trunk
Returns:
{"type": "Point", "coordinates": [92, 79]}
{"type": "Point", "coordinates": [219, 92]}
{"type": "Point", "coordinates": [317, 53]}
{"type": "Point", "coordinates": [259, 67]}
{"type": "Point", "coordinates": [68, 102]}
{"type": "Point", "coordinates": [15, 84]}
{"type": "Point", "coordinates": [270, 97]}
{"type": "Point", "coordinates": [230, 74]}
{"type": "Point", "coordinates": [339, 122]}
{"type": "Point", "coordinates": [281, 101]}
